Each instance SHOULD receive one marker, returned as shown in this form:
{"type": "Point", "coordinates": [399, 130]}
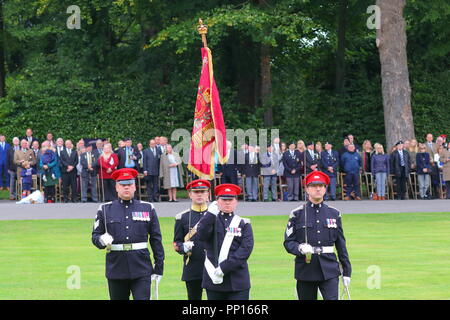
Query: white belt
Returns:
{"type": "Point", "coordinates": [129, 246]}
{"type": "Point", "coordinates": [329, 249]}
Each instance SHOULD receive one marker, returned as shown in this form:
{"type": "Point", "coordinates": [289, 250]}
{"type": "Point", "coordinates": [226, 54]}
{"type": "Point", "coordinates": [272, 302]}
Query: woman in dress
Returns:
{"type": "Point", "coordinates": [172, 172]}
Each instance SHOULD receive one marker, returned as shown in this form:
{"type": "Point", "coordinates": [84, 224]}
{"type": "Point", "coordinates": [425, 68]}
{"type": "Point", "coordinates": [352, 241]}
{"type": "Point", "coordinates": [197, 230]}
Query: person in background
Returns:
{"type": "Point", "coordinates": [400, 166]}
{"type": "Point", "coordinates": [330, 162]}
{"type": "Point", "coordinates": [4, 175]}
{"type": "Point", "coordinates": [344, 147]}
{"type": "Point", "coordinates": [59, 147]}
{"type": "Point", "coordinates": [89, 165]}
{"type": "Point", "coordinates": [301, 146]}
{"type": "Point", "coordinates": [366, 155]}
{"type": "Point", "coordinates": [35, 148]}
{"type": "Point", "coordinates": [312, 159]}
{"type": "Point", "coordinates": [423, 169]}
{"type": "Point", "coordinates": [269, 166]}
{"type": "Point", "coordinates": [29, 137]}
{"type": "Point", "coordinates": [351, 165]}
{"type": "Point", "coordinates": [351, 140]}
{"type": "Point", "coordinates": [318, 148]}
{"type": "Point", "coordinates": [27, 178]}
{"type": "Point", "coordinates": [172, 172]}
{"type": "Point", "coordinates": [12, 167]}
{"type": "Point", "coordinates": [49, 139]}
{"type": "Point", "coordinates": [251, 171]}
{"type": "Point", "coordinates": [108, 163]}
{"type": "Point", "coordinates": [140, 161]}
{"type": "Point", "coordinates": [69, 162]}
{"type": "Point", "coordinates": [22, 155]}
{"type": "Point", "coordinates": [380, 170]}
{"type": "Point", "coordinates": [152, 158]}
{"type": "Point", "coordinates": [50, 171]}
{"type": "Point", "coordinates": [444, 157]}
{"type": "Point", "coordinates": [293, 163]}
{"type": "Point", "coordinates": [413, 149]}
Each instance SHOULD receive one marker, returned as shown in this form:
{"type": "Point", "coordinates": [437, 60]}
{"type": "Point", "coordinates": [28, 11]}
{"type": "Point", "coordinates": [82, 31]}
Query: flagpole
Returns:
{"type": "Point", "coordinates": [202, 30]}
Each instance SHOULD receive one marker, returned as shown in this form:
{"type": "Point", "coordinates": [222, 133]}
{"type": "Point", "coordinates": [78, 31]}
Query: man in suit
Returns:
{"type": "Point", "coordinates": [98, 148]}
{"type": "Point", "coordinates": [152, 157]}
{"type": "Point", "coordinates": [59, 147]}
{"type": "Point", "coordinates": [4, 175]}
{"type": "Point", "coordinates": [22, 155]}
{"type": "Point", "coordinates": [89, 165]}
{"type": "Point", "coordinates": [312, 158]}
{"type": "Point", "coordinates": [269, 165]}
{"type": "Point", "coordinates": [229, 170]}
{"type": "Point", "coordinates": [329, 162]}
{"type": "Point", "coordinates": [12, 168]}
{"type": "Point", "coordinates": [37, 154]}
{"type": "Point", "coordinates": [401, 167]}
{"type": "Point", "coordinates": [29, 137]}
{"type": "Point", "coordinates": [432, 149]}
{"type": "Point", "coordinates": [69, 161]}
{"type": "Point", "coordinates": [293, 163]}
{"type": "Point", "coordinates": [128, 155]}
{"type": "Point", "coordinates": [140, 162]}
{"type": "Point", "coordinates": [251, 170]}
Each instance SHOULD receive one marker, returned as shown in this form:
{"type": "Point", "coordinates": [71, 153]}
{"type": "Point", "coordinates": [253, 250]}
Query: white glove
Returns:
{"type": "Point", "coordinates": [187, 246]}
{"type": "Point", "coordinates": [218, 272]}
{"type": "Point", "coordinates": [214, 208]}
{"type": "Point", "coordinates": [346, 281]}
{"type": "Point", "coordinates": [106, 239]}
{"type": "Point", "coordinates": [305, 248]}
{"type": "Point", "coordinates": [156, 277]}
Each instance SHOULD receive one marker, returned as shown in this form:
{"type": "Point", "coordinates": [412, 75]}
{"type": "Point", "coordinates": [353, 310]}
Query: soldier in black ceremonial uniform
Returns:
{"type": "Point", "coordinates": [316, 265]}
{"type": "Point", "coordinates": [228, 241]}
{"type": "Point", "coordinates": [124, 227]}
{"type": "Point", "coordinates": [186, 241]}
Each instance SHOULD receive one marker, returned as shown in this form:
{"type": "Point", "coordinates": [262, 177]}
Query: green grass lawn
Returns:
{"type": "Point", "coordinates": [412, 252]}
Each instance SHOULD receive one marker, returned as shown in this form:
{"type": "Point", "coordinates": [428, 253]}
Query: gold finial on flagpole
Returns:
{"type": "Point", "coordinates": [202, 30]}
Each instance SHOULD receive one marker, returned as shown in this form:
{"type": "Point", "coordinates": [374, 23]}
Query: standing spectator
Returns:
{"type": "Point", "coordinates": [423, 166]}
{"type": "Point", "coordinates": [413, 149]}
{"type": "Point", "coordinates": [27, 178]}
{"type": "Point", "coordinates": [251, 171]}
{"type": "Point", "coordinates": [311, 158]}
{"type": "Point", "coordinates": [292, 161]}
{"type": "Point", "coordinates": [344, 147]}
{"type": "Point", "coordinates": [59, 147]}
{"type": "Point", "coordinates": [163, 145]}
{"type": "Point", "coordinates": [301, 146]}
{"type": "Point", "coordinates": [172, 172]}
{"type": "Point", "coordinates": [4, 175]}
{"type": "Point", "coordinates": [128, 155]}
{"type": "Point", "coordinates": [12, 168]}
{"type": "Point", "coordinates": [269, 166]}
{"type": "Point", "coordinates": [280, 171]}
{"type": "Point", "coordinates": [29, 137]}
{"type": "Point", "coordinates": [318, 148]}
{"type": "Point", "coordinates": [276, 146]}
{"type": "Point", "coordinates": [140, 161]}
{"type": "Point", "coordinates": [366, 155]}
{"type": "Point", "coordinates": [69, 162]}
{"type": "Point", "coordinates": [229, 170]}
{"type": "Point", "coordinates": [329, 162]}
{"type": "Point", "coordinates": [152, 157]}
{"type": "Point", "coordinates": [108, 163]}
{"type": "Point", "coordinates": [351, 140]}
{"type": "Point", "coordinates": [400, 166]}
{"type": "Point", "coordinates": [37, 153]}
{"type": "Point", "coordinates": [98, 148]}
{"type": "Point", "coordinates": [50, 171]}
{"type": "Point", "coordinates": [22, 155]}
{"type": "Point", "coordinates": [444, 156]}
{"type": "Point", "coordinates": [49, 139]}
{"type": "Point", "coordinates": [89, 165]}
{"type": "Point", "coordinates": [380, 170]}
{"type": "Point", "coordinates": [351, 165]}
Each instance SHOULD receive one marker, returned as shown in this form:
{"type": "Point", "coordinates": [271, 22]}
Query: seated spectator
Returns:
{"type": "Point", "coordinates": [380, 171]}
